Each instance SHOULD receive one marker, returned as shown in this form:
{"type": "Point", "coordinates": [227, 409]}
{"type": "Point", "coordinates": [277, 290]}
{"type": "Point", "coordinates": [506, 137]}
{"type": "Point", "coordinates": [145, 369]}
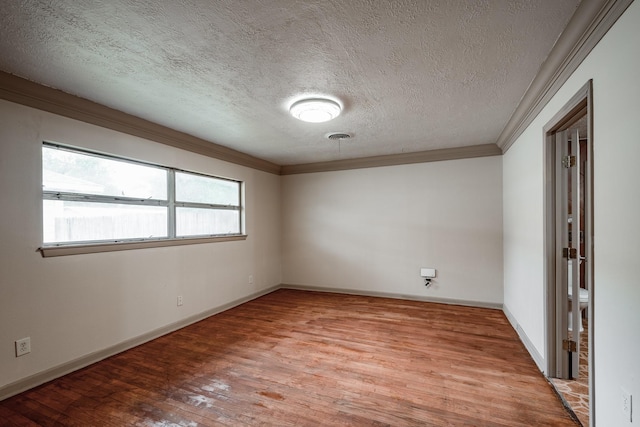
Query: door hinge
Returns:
{"type": "Point", "coordinates": [569, 161]}
{"type": "Point", "coordinates": [571, 253]}
{"type": "Point", "coordinates": [569, 345]}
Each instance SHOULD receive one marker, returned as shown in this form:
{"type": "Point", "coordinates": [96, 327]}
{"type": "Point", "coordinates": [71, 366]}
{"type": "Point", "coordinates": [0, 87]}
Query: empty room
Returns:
{"type": "Point", "coordinates": [302, 213]}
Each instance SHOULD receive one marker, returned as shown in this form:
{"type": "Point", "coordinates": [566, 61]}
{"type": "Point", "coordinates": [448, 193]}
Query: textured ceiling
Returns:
{"type": "Point", "coordinates": [412, 75]}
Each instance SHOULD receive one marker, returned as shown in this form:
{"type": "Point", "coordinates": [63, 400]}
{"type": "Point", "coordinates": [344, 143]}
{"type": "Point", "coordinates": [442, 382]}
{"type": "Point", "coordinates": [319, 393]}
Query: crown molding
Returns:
{"type": "Point", "coordinates": [25, 92]}
{"type": "Point", "coordinates": [590, 22]}
{"type": "Point", "coordinates": [468, 152]}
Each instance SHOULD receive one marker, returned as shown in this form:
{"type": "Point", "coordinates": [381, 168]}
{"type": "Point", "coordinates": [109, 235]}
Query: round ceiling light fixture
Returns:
{"type": "Point", "coordinates": [315, 110]}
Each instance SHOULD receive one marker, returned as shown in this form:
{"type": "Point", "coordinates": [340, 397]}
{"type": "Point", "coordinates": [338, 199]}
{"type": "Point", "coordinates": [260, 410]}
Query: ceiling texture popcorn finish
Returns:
{"type": "Point", "coordinates": [412, 75]}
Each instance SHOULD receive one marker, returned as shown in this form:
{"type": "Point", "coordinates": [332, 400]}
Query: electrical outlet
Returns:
{"type": "Point", "coordinates": [180, 300]}
{"type": "Point", "coordinates": [627, 405]}
{"type": "Point", "coordinates": [251, 279]}
{"type": "Point", "coordinates": [23, 346]}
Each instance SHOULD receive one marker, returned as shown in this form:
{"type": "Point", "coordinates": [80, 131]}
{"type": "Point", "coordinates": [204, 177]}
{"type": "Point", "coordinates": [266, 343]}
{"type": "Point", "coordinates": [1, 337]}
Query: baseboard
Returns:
{"type": "Point", "coordinates": [468, 303]}
{"type": "Point", "coordinates": [535, 355]}
{"type": "Point", "coordinates": [81, 362]}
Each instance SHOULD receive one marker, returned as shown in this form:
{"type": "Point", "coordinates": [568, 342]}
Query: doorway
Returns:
{"type": "Point", "coordinates": [569, 252]}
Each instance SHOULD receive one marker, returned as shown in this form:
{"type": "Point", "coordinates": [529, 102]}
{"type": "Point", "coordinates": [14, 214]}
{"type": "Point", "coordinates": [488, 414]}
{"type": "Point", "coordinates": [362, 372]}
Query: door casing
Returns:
{"type": "Point", "coordinates": [578, 106]}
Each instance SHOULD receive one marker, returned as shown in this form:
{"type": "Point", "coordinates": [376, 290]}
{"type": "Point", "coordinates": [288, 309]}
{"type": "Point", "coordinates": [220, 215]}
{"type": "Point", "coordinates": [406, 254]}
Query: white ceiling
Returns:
{"type": "Point", "coordinates": [412, 75]}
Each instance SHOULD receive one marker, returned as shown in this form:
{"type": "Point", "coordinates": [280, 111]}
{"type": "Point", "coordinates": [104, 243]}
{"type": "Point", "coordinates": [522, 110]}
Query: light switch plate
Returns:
{"type": "Point", "coordinates": [627, 405]}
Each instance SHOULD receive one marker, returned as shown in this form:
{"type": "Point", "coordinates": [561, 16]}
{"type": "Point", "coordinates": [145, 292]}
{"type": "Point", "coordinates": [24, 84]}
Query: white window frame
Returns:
{"type": "Point", "coordinates": [51, 249]}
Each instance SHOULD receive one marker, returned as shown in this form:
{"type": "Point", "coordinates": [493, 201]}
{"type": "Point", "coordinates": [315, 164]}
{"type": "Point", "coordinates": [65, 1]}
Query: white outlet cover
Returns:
{"type": "Point", "coordinates": [23, 346]}
{"type": "Point", "coordinates": [428, 272]}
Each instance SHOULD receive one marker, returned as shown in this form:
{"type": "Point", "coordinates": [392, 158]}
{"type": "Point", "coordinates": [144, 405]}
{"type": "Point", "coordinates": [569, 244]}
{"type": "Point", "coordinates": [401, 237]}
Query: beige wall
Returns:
{"type": "Point", "coordinates": [368, 230]}
{"type": "Point", "coordinates": [75, 305]}
{"type": "Point", "coordinates": [614, 67]}
{"type": "Point", "coordinates": [372, 229]}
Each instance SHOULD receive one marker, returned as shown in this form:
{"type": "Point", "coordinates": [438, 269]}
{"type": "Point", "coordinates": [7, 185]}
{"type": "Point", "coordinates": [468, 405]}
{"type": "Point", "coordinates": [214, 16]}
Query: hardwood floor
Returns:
{"type": "Point", "coordinates": [295, 358]}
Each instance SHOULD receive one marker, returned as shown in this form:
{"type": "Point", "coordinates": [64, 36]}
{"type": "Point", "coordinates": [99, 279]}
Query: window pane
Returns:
{"type": "Point", "coordinates": [202, 189]}
{"type": "Point", "coordinates": [70, 221]}
{"type": "Point", "coordinates": [81, 173]}
{"type": "Point", "coordinates": [198, 222]}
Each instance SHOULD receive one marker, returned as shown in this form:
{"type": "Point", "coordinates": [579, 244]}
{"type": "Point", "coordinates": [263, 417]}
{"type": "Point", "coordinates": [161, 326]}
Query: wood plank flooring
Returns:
{"type": "Point", "coordinates": [296, 358]}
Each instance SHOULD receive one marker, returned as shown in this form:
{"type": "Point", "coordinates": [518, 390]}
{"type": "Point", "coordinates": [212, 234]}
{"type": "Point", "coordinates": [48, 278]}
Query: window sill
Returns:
{"type": "Point", "coordinates": [53, 251]}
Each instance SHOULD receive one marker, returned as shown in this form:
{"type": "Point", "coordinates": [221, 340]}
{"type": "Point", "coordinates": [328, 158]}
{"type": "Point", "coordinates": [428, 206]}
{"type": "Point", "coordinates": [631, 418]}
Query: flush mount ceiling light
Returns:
{"type": "Point", "coordinates": [315, 110]}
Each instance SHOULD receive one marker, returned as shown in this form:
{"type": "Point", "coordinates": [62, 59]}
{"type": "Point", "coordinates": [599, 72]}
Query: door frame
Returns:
{"type": "Point", "coordinates": [580, 104]}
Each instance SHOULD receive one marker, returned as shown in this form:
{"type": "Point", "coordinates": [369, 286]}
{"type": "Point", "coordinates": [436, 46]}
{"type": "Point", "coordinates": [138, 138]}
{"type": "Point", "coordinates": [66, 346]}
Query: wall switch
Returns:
{"type": "Point", "coordinates": [627, 405]}
{"type": "Point", "coordinates": [428, 273]}
{"type": "Point", "coordinates": [23, 346]}
{"type": "Point", "coordinates": [179, 300]}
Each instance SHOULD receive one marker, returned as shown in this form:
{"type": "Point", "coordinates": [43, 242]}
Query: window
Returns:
{"type": "Point", "coordinates": [93, 198]}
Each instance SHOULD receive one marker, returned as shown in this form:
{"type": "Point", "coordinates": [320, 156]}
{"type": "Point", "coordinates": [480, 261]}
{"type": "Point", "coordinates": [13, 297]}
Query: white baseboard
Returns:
{"type": "Point", "coordinates": [81, 362]}
{"type": "Point", "coordinates": [468, 303]}
{"type": "Point", "coordinates": [535, 355]}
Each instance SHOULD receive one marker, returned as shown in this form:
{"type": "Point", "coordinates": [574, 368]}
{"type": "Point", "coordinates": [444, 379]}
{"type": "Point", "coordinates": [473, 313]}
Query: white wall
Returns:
{"type": "Point", "coordinates": [372, 229]}
{"type": "Point", "coordinates": [523, 235]}
{"type": "Point", "coordinates": [75, 305]}
{"type": "Point", "coordinates": [614, 67]}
